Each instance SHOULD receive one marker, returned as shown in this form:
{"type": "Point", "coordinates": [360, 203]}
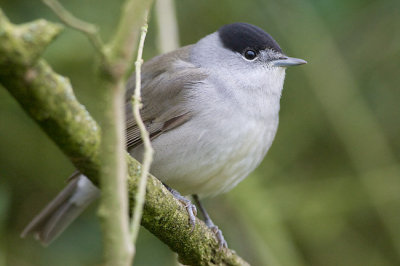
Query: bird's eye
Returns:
{"type": "Point", "coordinates": [250, 54]}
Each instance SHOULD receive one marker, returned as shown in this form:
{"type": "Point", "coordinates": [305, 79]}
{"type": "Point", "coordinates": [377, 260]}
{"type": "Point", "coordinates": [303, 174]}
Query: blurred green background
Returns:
{"type": "Point", "coordinates": [328, 192]}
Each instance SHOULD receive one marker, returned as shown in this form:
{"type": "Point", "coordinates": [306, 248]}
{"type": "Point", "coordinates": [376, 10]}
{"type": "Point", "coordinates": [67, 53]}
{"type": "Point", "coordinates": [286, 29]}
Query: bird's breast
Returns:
{"type": "Point", "coordinates": [224, 141]}
{"type": "Point", "coordinates": [209, 157]}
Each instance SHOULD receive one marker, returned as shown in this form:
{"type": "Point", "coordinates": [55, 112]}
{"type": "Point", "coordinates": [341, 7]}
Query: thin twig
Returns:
{"type": "Point", "coordinates": [148, 150]}
{"type": "Point", "coordinates": [90, 30]}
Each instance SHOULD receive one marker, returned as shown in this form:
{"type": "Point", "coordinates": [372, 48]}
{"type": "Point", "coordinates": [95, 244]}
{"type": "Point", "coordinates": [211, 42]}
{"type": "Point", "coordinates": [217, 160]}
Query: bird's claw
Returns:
{"type": "Point", "coordinates": [192, 212]}
{"type": "Point", "coordinates": [189, 206]}
{"type": "Point", "coordinates": [220, 237]}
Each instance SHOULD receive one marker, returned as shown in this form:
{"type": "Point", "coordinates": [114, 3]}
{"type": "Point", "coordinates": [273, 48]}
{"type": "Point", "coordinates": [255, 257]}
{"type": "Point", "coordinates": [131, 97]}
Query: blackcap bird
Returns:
{"type": "Point", "coordinates": [211, 109]}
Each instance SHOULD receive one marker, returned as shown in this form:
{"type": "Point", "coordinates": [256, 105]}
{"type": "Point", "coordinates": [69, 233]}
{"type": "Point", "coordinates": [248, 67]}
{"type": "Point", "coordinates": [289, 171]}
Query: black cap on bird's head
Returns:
{"type": "Point", "coordinates": [242, 37]}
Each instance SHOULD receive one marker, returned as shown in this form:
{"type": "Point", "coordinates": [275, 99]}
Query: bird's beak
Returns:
{"type": "Point", "coordinates": [286, 61]}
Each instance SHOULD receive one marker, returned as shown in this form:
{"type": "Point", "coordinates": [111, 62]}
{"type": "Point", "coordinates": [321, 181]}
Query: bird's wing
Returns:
{"type": "Point", "coordinates": [166, 80]}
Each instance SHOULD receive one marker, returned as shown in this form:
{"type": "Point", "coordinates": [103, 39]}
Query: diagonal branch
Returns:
{"type": "Point", "coordinates": [49, 100]}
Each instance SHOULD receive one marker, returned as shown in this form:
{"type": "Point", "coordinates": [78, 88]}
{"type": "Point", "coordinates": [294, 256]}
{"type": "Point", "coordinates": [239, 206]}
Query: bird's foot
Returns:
{"type": "Point", "coordinates": [220, 237]}
{"type": "Point", "coordinates": [218, 233]}
{"type": "Point", "coordinates": [189, 206]}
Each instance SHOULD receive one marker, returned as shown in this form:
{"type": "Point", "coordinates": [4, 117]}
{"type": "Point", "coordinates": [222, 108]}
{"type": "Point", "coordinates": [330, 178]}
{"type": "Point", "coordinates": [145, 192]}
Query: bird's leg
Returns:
{"type": "Point", "coordinates": [210, 224]}
{"type": "Point", "coordinates": [190, 207]}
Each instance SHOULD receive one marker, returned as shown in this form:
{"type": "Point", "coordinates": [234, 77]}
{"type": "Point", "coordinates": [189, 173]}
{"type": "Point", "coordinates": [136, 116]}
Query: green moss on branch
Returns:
{"type": "Point", "coordinates": [46, 96]}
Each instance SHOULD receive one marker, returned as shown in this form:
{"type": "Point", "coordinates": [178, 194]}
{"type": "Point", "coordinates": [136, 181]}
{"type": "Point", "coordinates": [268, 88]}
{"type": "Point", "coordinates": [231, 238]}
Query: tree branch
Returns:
{"type": "Point", "coordinates": [49, 100]}
{"type": "Point", "coordinates": [121, 48]}
{"type": "Point", "coordinates": [168, 33]}
{"type": "Point", "coordinates": [90, 30]}
{"type": "Point", "coordinates": [114, 203]}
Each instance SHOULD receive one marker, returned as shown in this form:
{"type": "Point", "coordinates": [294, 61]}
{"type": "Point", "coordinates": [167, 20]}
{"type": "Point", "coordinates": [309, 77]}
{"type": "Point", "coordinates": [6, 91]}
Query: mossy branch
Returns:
{"type": "Point", "coordinates": [49, 100]}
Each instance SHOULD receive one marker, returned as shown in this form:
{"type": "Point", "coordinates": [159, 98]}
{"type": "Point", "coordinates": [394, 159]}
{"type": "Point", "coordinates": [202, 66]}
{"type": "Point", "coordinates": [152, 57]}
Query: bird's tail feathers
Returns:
{"type": "Point", "coordinates": [63, 209]}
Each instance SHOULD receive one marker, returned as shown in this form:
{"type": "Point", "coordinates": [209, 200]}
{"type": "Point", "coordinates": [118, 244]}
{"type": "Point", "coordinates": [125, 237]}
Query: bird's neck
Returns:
{"type": "Point", "coordinates": [258, 95]}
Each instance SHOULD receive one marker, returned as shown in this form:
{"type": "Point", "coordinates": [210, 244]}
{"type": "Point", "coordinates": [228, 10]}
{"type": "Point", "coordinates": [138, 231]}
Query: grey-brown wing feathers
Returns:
{"type": "Point", "coordinates": [165, 84]}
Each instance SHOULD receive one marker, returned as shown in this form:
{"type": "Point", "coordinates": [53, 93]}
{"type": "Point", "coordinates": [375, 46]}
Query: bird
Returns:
{"type": "Point", "coordinates": [212, 113]}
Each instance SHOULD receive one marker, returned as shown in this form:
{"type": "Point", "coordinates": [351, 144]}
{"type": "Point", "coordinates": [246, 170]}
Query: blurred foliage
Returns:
{"type": "Point", "coordinates": [328, 193]}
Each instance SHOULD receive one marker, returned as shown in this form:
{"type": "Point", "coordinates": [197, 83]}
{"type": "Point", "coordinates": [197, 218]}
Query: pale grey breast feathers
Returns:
{"type": "Point", "coordinates": [166, 80]}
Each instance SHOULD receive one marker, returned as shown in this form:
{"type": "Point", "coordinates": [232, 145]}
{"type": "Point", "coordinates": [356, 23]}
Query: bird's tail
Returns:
{"type": "Point", "coordinates": [63, 209]}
